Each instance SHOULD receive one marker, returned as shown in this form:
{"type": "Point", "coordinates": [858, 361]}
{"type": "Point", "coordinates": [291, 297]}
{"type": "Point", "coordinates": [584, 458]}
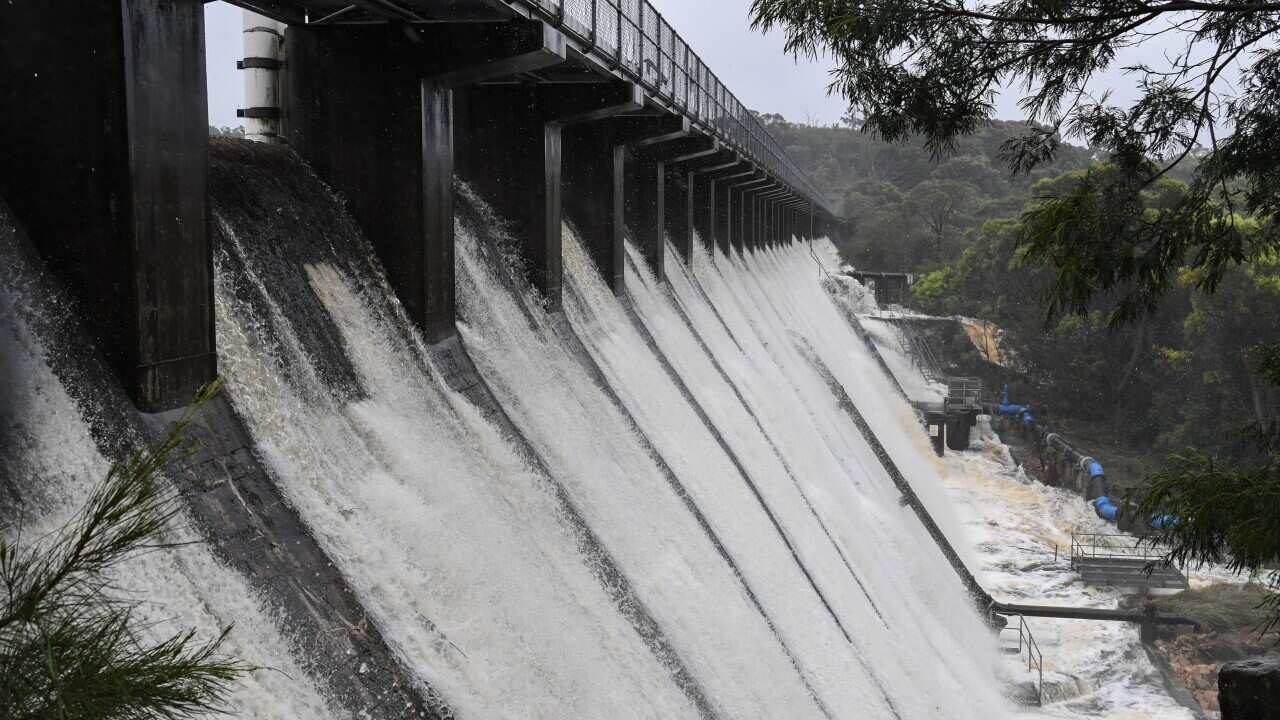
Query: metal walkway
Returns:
{"type": "Point", "coordinates": [1121, 561]}
{"type": "Point", "coordinates": [628, 39]}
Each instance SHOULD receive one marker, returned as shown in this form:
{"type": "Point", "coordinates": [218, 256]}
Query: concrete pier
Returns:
{"type": "Point", "coordinates": [701, 171]}
{"type": "Point", "coordinates": [372, 108]}
{"type": "Point", "coordinates": [103, 149]}
{"type": "Point", "coordinates": [602, 161]}
{"type": "Point", "coordinates": [677, 217]}
{"type": "Point", "coordinates": [720, 180]}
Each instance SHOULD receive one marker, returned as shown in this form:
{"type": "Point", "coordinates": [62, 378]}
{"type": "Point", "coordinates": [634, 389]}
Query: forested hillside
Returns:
{"type": "Point", "coordinates": [907, 211]}
{"type": "Point", "coordinates": [1182, 377]}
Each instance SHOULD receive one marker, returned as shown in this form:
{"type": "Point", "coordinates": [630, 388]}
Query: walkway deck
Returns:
{"type": "Point", "coordinates": [1122, 561]}
{"type": "Point", "coordinates": [1129, 572]}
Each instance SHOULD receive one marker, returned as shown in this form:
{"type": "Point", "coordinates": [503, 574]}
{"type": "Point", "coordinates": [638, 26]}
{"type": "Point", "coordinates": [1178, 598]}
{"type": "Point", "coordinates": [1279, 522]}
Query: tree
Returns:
{"type": "Point", "coordinates": [931, 68]}
{"type": "Point", "coordinates": [941, 205]}
{"type": "Point", "coordinates": [69, 649]}
{"type": "Point", "coordinates": [1118, 232]}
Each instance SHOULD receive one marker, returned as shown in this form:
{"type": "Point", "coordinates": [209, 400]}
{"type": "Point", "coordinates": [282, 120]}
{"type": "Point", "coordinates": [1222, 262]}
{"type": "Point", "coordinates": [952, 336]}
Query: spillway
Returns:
{"type": "Point", "coordinates": [53, 399]}
{"type": "Point", "coordinates": [652, 505]}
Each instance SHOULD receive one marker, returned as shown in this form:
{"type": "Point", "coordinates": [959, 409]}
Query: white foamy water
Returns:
{"type": "Point", "coordinates": [893, 420]}
{"type": "Point", "coordinates": [455, 546]}
{"type": "Point", "coordinates": [726, 495]}
{"type": "Point", "coordinates": [693, 431]}
{"type": "Point", "coordinates": [749, 316]}
{"type": "Point", "coordinates": [49, 450]}
{"type": "Point", "coordinates": [889, 342]}
{"type": "Point", "coordinates": [1015, 523]}
{"type": "Point", "coordinates": [596, 454]}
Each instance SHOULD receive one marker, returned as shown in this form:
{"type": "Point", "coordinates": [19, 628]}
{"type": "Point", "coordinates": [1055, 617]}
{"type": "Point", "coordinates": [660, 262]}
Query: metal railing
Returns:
{"type": "Point", "coordinates": [633, 37]}
{"type": "Point", "coordinates": [1113, 546]}
{"type": "Point", "coordinates": [964, 393]}
{"type": "Point", "coordinates": [917, 351]}
{"type": "Point", "coordinates": [1035, 659]}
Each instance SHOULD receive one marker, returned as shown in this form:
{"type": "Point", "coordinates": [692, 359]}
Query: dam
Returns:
{"type": "Point", "coordinates": [535, 402]}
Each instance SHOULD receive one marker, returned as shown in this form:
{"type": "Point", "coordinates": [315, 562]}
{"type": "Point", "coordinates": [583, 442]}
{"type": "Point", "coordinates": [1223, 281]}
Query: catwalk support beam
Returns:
{"type": "Point", "coordinates": [770, 200]}
{"type": "Point", "coordinates": [372, 108]}
{"type": "Point", "coordinates": [600, 162]}
{"type": "Point", "coordinates": [677, 218]}
{"type": "Point", "coordinates": [647, 193]}
{"type": "Point", "coordinates": [104, 160]}
{"type": "Point", "coordinates": [524, 179]}
{"type": "Point", "coordinates": [729, 207]}
{"type": "Point", "coordinates": [744, 210]}
{"type": "Point", "coordinates": [703, 205]}
{"type": "Point", "coordinates": [718, 178]}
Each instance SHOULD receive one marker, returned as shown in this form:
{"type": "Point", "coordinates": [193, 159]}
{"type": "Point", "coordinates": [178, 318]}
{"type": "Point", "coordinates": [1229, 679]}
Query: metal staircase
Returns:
{"type": "Point", "coordinates": [918, 352]}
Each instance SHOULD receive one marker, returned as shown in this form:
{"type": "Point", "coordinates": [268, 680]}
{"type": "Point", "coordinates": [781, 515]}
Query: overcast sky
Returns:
{"type": "Point", "coordinates": [750, 63]}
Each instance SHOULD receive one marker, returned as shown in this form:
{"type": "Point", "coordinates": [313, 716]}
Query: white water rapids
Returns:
{"type": "Point", "coordinates": [49, 459]}
{"type": "Point", "coordinates": [688, 523]}
{"type": "Point", "coordinates": [1014, 524]}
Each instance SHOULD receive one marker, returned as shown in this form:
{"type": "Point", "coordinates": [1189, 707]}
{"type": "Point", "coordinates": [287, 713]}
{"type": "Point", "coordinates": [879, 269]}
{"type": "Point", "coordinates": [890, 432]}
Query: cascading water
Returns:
{"type": "Point", "coordinates": [889, 343]}
{"type": "Point", "coordinates": [50, 463]}
{"type": "Point", "coordinates": [821, 449]}
{"type": "Point", "coordinates": [652, 506]}
{"type": "Point", "coordinates": [787, 298]}
{"type": "Point", "coordinates": [593, 450]}
{"type": "Point", "coordinates": [1097, 670]}
{"type": "Point", "coordinates": [1017, 527]}
{"type": "Point", "coordinates": [732, 512]}
{"type": "Point", "coordinates": [454, 543]}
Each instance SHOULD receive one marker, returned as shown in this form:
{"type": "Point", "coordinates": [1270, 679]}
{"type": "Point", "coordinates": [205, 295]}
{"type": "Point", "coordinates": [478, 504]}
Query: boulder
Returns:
{"type": "Point", "coordinates": [1250, 689]}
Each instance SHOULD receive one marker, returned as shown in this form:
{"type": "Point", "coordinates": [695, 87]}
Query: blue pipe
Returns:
{"type": "Point", "coordinates": [1106, 509]}
{"type": "Point", "coordinates": [1102, 504]}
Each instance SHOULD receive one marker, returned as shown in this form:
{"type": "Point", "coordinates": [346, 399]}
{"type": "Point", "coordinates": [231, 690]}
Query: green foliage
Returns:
{"type": "Point", "coordinates": [928, 71]}
{"type": "Point", "coordinates": [933, 292]}
{"type": "Point", "coordinates": [903, 211]}
{"type": "Point", "coordinates": [1220, 608]}
{"type": "Point", "coordinates": [1227, 514]}
{"type": "Point", "coordinates": [1157, 298]}
{"type": "Point", "coordinates": [69, 648]}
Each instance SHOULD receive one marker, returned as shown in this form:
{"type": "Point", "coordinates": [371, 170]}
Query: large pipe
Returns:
{"type": "Point", "coordinates": [263, 59]}
{"type": "Point", "coordinates": [1089, 471]}
{"type": "Point", "coordinates": [1105, 508]}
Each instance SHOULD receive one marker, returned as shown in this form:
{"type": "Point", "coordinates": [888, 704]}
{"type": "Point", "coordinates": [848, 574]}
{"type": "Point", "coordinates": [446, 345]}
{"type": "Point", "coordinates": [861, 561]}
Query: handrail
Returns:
{"type": "Point", "coordinates": [1035, 658]}
{"type": "Point", "coordinates": [1096, 545]}
{"type": "Point", "coordinates": [633, 37]}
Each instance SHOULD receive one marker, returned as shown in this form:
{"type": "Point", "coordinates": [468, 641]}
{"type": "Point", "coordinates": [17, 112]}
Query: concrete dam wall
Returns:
{"type": "Point", "coordinates": [641, 505]}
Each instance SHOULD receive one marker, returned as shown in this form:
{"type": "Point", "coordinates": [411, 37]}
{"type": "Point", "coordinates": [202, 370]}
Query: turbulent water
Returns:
{"type": "Point", "coordinates": [889, 341]}
{"type": "Point", "coordinates": [49, 464]}
{"type": "Point", "coordinates": [1019, 532]}
{"type": "Point", "coordinates": [659, 506]}
{"type": "Point", "coordinates": [1094, 669]}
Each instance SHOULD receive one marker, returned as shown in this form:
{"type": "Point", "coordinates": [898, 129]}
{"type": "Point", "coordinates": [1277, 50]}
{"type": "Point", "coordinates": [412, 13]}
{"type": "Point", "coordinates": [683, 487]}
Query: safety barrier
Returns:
{"type": "Point", "coordinates": [1035, 659]}
{"type": "Point", "coordinates": [632, 37]}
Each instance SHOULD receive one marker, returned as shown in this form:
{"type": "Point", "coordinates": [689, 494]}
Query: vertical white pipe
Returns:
{"type": "Point", "coordinates": [263, 59]}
